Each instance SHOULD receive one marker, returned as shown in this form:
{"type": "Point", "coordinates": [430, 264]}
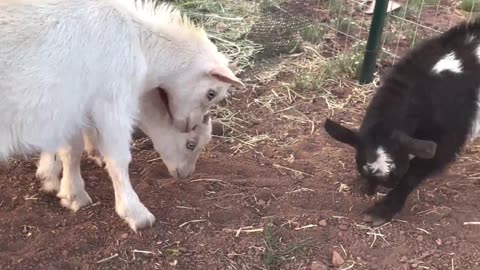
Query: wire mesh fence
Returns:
{"type": "Point", "coordinates": [250, 30]}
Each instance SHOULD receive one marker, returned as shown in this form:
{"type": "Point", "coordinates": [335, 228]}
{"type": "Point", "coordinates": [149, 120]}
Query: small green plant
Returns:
{"type": "Point", "coordinates": [307, 81]}
{"type": "Point", "coordinates": [313, 33]}
{"type": "Point", "coordinates": [413, 37]}
{"type": "Point", "coordinates": [336, 68]}
{"type": "Point", "coordinates": [413, 8]}
{"type": "Point", "coordinates": [389, 38]}
{"type": "Point", "coordinates": [267, 4]}
{"type": "Point", "coordinates": [335, 7]}
{"type": "Point", "coordinates": [346, 65]}
{"type": "Point", "coordinates": [346, 25]}
{"type": "Point", "coordinates": [470, 5]}
{"type": "Point", "coordinates": [275, 252]}
{"type": "Point", "coordinates": [271, 259]}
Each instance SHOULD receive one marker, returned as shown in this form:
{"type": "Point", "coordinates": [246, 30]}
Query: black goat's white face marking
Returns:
{"type": "Point", "coordinates": [477, 53]}
{"type": "Point", "coordinates": [382, 166]}
{"type": "Point", "coordinates": [450, 63]}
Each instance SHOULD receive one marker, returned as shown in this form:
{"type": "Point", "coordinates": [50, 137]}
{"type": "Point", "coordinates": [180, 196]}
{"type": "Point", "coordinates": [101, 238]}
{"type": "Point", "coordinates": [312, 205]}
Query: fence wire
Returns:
{"type": "Point", "coordinates": [270, 28]}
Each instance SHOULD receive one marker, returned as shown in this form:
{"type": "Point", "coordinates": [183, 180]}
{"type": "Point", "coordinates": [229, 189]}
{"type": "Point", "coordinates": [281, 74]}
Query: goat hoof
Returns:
{"type": "Point", "coordinates": [137, 216]}
{"type": "Point", "coordinates": [50, 185]}
{"type": "Point", "coordinates": [75, 201]}
{"type": "Point", "coordinates": [369, 189]}
{"type": "Point", "coordinates": [378, 215]}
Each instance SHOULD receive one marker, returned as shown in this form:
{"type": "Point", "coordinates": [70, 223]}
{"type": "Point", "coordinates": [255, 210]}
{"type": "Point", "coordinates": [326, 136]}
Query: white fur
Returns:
{"type": "Point", "coordinates": [168, 141]}
{"type": "Point", "coordinates": [72, 191]}
{"type": "Point", "coordinates": [154, 121]}
{"type": "Point", "coordinates": [383, 165]}
{"type": "Point", "coordinates": [448, 63]}
{"type": "Point", "coordinates": [477, 53]}
{"type": "Point", "coordinates": [475, 131]}
{"type": "Point", "coordinates": [63, 61]}
{"type": "Point", "coordinates": [49, 167]}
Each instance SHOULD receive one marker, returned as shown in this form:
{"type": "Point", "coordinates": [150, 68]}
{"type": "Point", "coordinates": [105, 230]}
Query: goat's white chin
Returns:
{"type": "Point", "coordinates": [180, 174]}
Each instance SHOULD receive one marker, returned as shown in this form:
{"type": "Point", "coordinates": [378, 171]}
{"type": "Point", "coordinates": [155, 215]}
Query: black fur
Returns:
{"type": "Point", "coordinates": [418, 112]}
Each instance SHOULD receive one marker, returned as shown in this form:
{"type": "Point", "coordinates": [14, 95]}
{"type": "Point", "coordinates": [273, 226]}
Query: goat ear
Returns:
{"type": "Point", "coordinates": [224, 74]}
{"type": "Point", "coordinates": [206, 118]}
{"type": "Point", "coordinates": [419, 148]}
{"type": "Point", "coordinates": [341, 133]}
{"type": "Point", "coordinates": [233, 66]}
{"type": "Point", "coordinates": [217, 128]}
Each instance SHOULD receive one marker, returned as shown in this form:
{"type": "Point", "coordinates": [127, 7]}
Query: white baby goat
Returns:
{"type": "Point", "coordinates": [63, 61]}
{"type": "Point", "coordinates": [178, 150]}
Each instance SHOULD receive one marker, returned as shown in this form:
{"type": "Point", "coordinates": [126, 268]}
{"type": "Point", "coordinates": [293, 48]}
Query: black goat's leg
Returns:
{"type": "Point", "coordinates": [384, 210]}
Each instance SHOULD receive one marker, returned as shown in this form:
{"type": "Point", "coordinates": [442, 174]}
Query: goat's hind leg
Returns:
{"type": "Point", "coordinates": [90, 137]}
{"type": "Point", "coordinates": [72, 187]}
{"type": "Point", "coordinates": [48, 171]}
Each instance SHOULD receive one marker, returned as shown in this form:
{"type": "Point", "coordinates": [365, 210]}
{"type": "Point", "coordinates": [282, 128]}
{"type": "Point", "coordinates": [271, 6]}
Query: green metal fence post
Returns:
{"type": "Point", "coordinates": [373, 43]}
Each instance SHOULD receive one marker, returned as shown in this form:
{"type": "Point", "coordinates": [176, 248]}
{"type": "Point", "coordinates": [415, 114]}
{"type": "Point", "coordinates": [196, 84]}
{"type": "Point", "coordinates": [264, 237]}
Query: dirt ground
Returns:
{"type": "Point", "coordinates": [289, 198]}
{"type": "Point", "coordinates": [304, 193]}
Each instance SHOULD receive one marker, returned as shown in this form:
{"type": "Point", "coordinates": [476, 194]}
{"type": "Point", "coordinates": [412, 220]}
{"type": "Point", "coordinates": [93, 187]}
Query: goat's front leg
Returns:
{"type": "Point", "coordinates": [114, 145]}
{"type": "Point", "coordinates": [72, 187]}
{"type": "Point", "coordinates": [384, 210]}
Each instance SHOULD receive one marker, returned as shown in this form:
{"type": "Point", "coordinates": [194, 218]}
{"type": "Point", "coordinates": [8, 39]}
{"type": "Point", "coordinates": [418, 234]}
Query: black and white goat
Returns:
{"type": "Point", "coordinates": [419, 118]}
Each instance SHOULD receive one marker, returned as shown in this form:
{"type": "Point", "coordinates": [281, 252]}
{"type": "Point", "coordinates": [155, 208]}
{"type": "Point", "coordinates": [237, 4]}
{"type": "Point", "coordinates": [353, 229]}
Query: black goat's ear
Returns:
{"type": "Point", "coordinates": [420, 148]}
{"type": "Point", "coordinates": [341, 133]}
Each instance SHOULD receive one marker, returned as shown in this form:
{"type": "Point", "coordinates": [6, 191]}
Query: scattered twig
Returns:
{"type": "Point", "coordinates": [108, 258]}
{"type": "Point", "coordinates": [31, 198]}
{"type": "Point", "coordinates": [248, 229]}
{"type": "Point", "coordinates": [186, 207]}
{"type": "Point", "coordinates": [471, 223]}
{"type": "Point", "coordinates": [349, 267]}
{"type": "Point", "coordinates": [191, 221]}
{"type": "Point", "coordinates": [290, 169]}
{"type": "Point", "coordinates": [306, 227]}
{"type": "Point", "coordinates": [209, 180]}
{"type": "Point", "coordinates": [423, 230]}
{"type": "Point", "coordinates": [153, 160]}
{"type": "Point", "coordinates": [300, 190]}
{"type": "Point", "coordinates": [142, 252]}
{"type": "Point", "coordinates": [222, 207]}
{"type": "Point", "coordinates": [424, 255]}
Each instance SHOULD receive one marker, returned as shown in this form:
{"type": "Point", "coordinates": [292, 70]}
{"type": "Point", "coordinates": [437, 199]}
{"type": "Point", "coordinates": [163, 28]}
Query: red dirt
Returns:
{"type": "Point", "coordinates": [198, 219]}
{"type": "Point", "coordinates": [247, 190]}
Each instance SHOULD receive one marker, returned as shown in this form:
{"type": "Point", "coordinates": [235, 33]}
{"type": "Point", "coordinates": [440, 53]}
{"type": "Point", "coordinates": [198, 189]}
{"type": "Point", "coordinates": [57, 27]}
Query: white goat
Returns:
{"type": "Point", "coordinates": [178, 150]}
{"type": "Point", "coordinates": [63, 61]}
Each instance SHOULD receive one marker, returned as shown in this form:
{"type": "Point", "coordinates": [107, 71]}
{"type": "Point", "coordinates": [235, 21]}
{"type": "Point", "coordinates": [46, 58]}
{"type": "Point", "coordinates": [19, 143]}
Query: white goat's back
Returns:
{"type": "Point", "coordinates": [57, 59]}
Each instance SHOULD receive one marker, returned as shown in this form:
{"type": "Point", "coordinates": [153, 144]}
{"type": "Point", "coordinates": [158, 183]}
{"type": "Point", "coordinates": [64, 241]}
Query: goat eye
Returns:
{"type": "Point", "coordinates": [211, 94]}
{"type": "Point", "coordinates": [191, 145]}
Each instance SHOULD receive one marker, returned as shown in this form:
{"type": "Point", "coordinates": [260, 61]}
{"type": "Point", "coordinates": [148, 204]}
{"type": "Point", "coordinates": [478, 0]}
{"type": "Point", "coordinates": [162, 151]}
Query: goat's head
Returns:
{"type": "Point", "coordinates": [202, 85]}
{"type": "Point", "coordinates": [180, 150]}
{"type": "Point", "coordinates": [382, 158]}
